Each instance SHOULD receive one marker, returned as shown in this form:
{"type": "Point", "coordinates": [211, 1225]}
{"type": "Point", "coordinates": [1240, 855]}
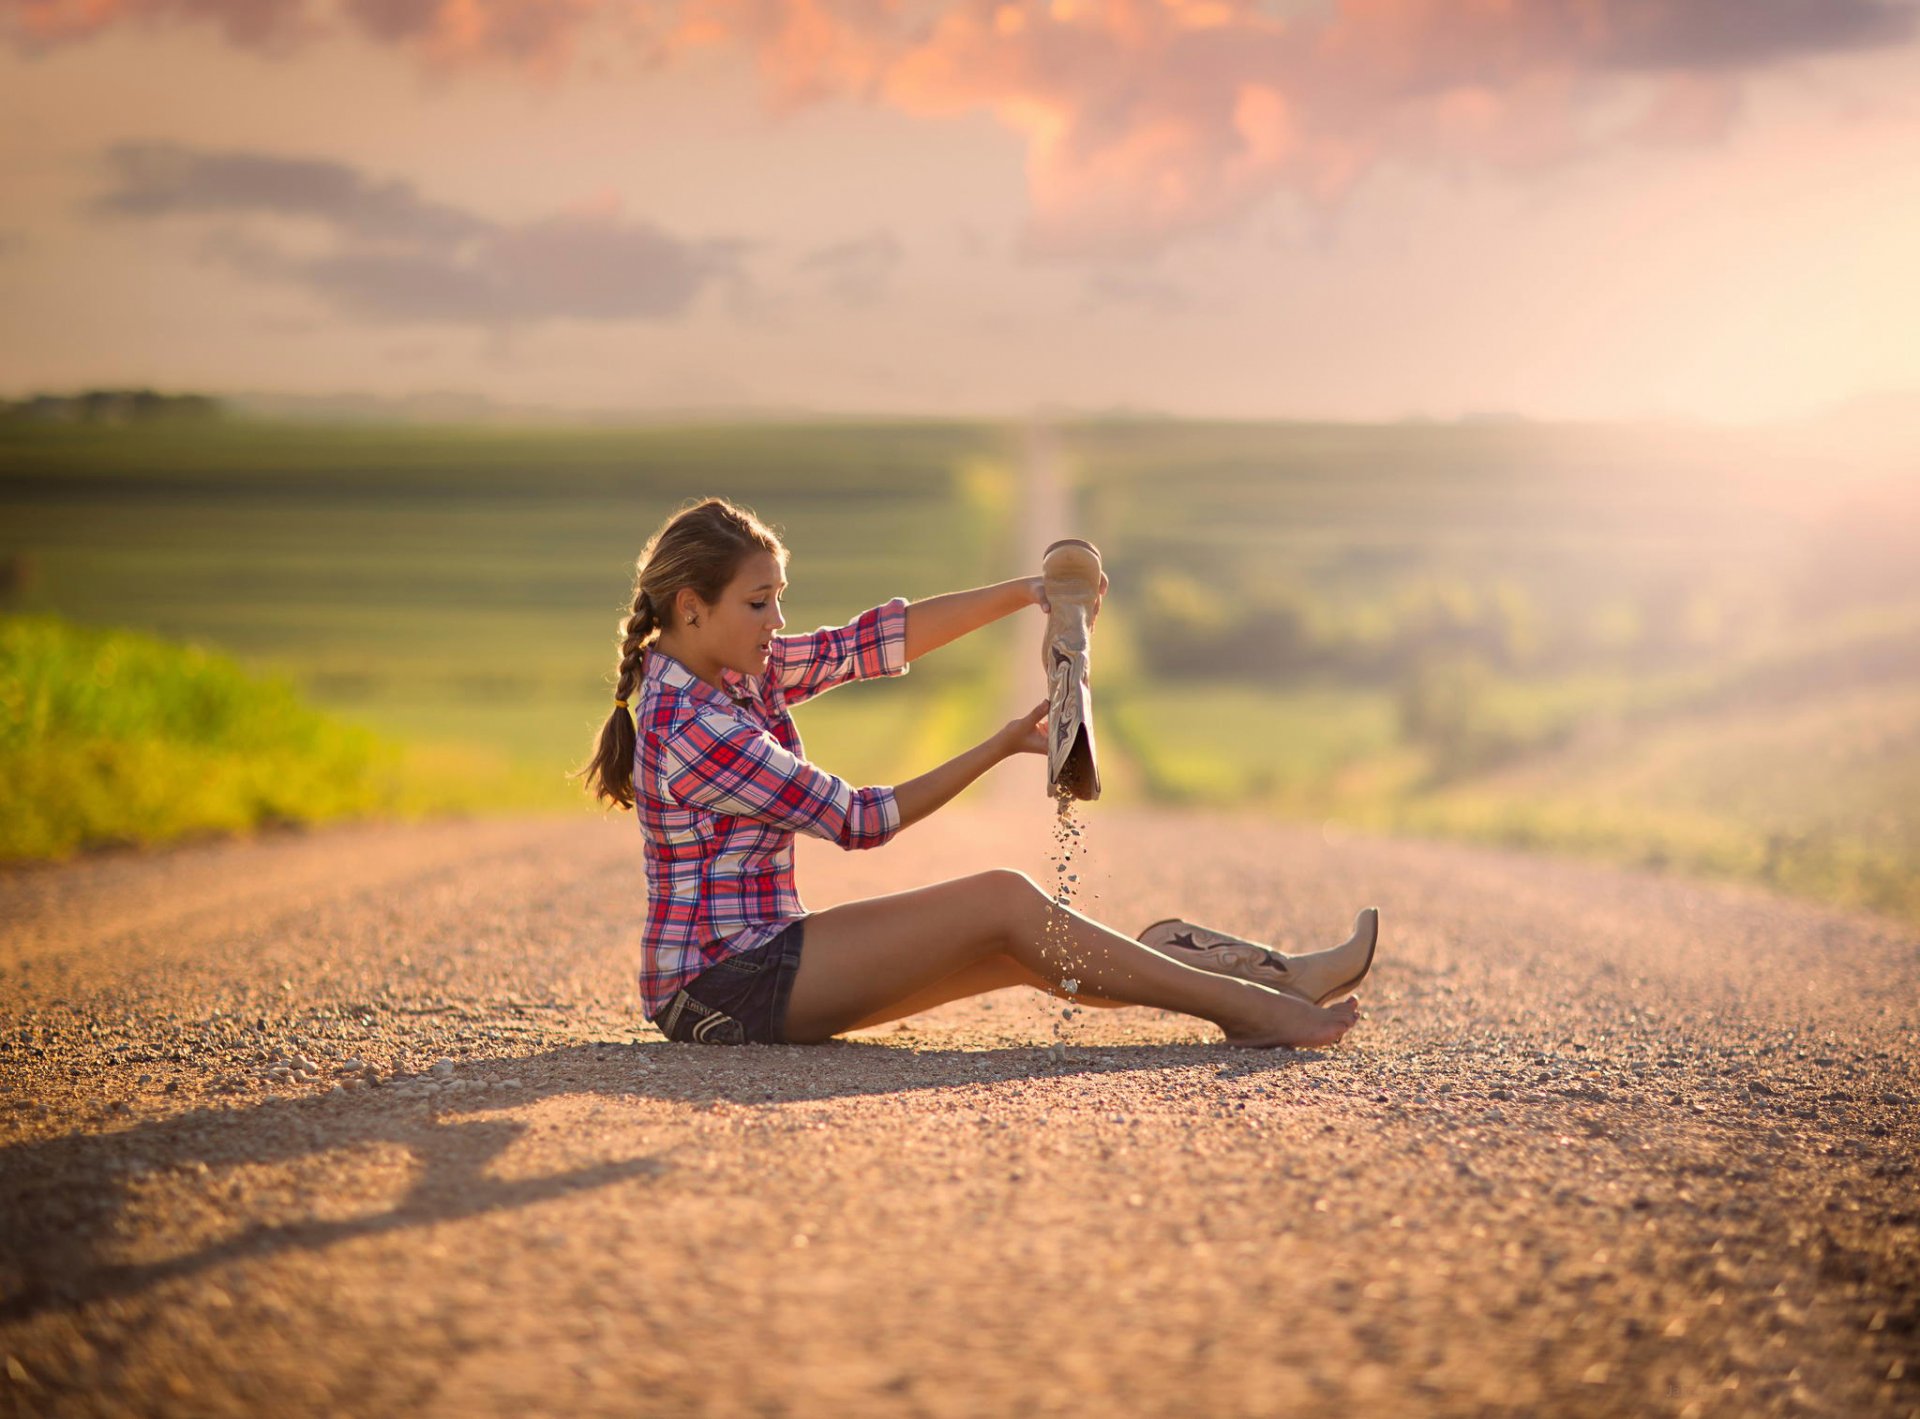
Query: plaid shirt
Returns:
{"type": "Point", "coordinates": [720, 788]}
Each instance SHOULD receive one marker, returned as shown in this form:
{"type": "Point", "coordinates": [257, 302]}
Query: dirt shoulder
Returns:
{"type": "Point", "coordinates": [1606, 1143]}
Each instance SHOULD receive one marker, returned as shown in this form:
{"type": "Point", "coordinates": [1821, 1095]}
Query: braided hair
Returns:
{"type": "Point", "coordinates": [700, 547]}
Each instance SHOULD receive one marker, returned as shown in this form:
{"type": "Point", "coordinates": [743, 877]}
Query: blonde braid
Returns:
{"type": "Point", "coordinates": [637, 631]}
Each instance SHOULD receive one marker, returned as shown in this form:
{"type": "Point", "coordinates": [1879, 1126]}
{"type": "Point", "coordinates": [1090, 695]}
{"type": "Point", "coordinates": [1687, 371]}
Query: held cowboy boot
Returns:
{"type": "Point", "coordinates": [1316, 977]}
{"type": "Point", "coordinates": [1071, 569]}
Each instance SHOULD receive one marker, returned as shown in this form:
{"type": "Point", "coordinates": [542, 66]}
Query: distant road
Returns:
{"type": "Point", "coordinates": [1607, 1143]}
{"type": "Point", "coordinates": [1045, 517]}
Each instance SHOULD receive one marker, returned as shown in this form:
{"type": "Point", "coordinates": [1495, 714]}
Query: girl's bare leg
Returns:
{"type": "Point", "coordinates": [866, 959]}
{"type": "Point", "coordinates": [994, 973]}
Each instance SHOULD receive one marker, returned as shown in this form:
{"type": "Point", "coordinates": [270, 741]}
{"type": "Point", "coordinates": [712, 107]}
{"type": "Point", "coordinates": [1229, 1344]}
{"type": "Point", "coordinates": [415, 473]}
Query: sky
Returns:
{"type": "Point", "coordinates": [1353, 209]}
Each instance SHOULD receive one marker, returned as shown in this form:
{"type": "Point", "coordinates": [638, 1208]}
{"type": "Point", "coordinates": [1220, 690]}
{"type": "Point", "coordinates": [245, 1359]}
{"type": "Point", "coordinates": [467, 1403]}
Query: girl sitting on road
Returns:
{"type": "Point", "coordinates": [716, 773]}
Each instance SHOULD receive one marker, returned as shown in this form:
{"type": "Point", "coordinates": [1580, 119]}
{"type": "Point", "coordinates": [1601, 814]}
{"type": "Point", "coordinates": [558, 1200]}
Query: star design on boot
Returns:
{"type": "Point", "coordinates": [1229, 950]}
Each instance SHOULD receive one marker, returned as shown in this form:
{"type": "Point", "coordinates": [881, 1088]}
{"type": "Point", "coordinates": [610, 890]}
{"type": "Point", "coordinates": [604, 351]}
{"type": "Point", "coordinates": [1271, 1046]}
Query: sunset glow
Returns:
{"type": "Point", "coordinates": [1368, 209]}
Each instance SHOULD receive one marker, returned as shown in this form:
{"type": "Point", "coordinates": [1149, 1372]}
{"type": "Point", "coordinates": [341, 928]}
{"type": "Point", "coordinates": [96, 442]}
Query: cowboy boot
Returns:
{"type": "Point", "coordinates": [1317, 977]}
{"type": "Point", "coordinates": [1072, 572]}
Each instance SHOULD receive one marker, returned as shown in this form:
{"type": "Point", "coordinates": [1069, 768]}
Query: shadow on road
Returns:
{"type": "Point", "coordinates": [62, 1200]}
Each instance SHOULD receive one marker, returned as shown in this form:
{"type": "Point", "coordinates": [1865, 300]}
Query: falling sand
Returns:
{"type": "Point", "coordinates": [1062, 961]}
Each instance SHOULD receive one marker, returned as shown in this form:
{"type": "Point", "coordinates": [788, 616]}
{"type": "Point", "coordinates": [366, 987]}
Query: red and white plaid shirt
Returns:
{"type": "Point", "coordinates": [720, 788]}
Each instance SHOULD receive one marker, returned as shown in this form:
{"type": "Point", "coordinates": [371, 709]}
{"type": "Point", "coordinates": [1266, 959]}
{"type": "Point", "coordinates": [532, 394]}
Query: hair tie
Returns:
{"type": "Point", "coordinates": [621, 703]}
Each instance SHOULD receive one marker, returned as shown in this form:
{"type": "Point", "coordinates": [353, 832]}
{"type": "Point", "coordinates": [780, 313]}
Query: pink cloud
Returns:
{"type": "Point", "coordinates": [537, 36]}
{"type": "Point", "coordinates": [35, 25]}
{"type": "Point", "coordinates": [1146, 120]}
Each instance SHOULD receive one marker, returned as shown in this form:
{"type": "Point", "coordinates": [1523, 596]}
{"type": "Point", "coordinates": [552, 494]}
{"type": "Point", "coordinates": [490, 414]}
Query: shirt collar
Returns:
{"type": "Point", "coordinates": [669, 671]}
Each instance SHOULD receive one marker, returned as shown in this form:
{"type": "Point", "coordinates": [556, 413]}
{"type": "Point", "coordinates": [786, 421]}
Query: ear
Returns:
{"type": "Point", "coordinates": [686, 605]}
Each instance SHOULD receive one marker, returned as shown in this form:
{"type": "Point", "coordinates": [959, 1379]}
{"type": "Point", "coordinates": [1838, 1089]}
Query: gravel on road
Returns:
{"type": "Point", "coordinates": [367, 1122]}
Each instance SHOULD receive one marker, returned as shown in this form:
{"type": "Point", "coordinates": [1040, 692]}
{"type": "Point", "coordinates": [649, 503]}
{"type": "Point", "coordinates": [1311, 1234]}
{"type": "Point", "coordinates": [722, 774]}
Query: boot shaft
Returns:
{"type": "Point", "coordinates": [1071, 570]}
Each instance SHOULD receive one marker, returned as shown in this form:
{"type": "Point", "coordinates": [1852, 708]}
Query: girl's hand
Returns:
{"type": "Point", "coordinates": [1037, 590]}
{"type": "Point", "coordinates": [1027, 734]}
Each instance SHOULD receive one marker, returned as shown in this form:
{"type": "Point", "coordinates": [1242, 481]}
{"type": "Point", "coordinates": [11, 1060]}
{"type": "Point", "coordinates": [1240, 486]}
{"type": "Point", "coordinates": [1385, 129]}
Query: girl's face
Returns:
{"type": "Point", "coordinates": [738, 631]}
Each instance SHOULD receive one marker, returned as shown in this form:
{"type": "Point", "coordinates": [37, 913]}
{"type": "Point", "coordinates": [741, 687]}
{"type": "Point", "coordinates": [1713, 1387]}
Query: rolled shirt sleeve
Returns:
{"type": "Point", "coordinates": [728, 766]}
{"type": "Point", "coordinates": [871, 645]}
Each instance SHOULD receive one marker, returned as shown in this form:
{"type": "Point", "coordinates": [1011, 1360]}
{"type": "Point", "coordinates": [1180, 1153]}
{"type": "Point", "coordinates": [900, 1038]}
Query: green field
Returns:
{"type": "Point", "coordinates": [462, 587]}
{"type": "Point", "coordinates": [1683, 647]}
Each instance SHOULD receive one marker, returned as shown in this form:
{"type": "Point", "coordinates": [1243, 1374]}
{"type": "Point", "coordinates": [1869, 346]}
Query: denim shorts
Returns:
{"type": "Point", "coordinates": [739, 999]}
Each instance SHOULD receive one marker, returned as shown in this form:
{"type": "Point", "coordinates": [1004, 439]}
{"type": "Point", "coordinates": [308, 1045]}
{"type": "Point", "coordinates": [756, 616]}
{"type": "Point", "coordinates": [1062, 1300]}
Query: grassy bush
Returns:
{"type": "Point", "coordinates": [114, 737]}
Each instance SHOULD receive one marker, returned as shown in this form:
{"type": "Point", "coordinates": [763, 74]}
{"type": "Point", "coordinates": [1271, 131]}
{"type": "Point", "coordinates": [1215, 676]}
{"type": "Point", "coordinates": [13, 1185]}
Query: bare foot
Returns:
{"type": "Point", "coordinates": [1295, 1023]}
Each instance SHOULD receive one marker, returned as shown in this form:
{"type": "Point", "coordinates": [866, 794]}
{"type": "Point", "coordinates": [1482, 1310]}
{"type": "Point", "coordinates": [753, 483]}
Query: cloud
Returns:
{"type": "Point", "coordinates": [1726, 34]}
{"type": "Point", "coordinates": [542, 38]}
{"type": "Point", "coordinates": [856, 272]}
{"type": "Point", "coordinates": [1145, 121]}
{"type": "Point", "coordinates": [163, 179]}
{"type": "Point", "coordinates": [393, 256]}
{"type": "Point", "coordinates": [274, 25]}
{"type": "Point", "coordinates": [1149, 120]}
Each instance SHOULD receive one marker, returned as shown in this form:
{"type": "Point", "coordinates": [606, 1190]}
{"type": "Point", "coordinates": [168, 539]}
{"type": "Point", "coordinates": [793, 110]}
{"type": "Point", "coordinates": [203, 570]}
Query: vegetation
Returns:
{"type": "Point", "coordinates": [461, 587]}
{"type": "Point", "coordinates": [1671, 648]}
{"type": "Point", "coordinates": [113, 737]}
{"type": "Point", "coordinates": [110, 406]}
{"type": "Point", "coordinates": [1685, 648]}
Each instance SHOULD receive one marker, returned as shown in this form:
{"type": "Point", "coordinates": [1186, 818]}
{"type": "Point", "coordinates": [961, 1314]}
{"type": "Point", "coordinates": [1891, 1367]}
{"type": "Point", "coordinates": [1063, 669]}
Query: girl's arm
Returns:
{"type": "Point", "coordinates": [874, 643]}
{"type": "Point", "coordinates": [939, 619]}
{"type": "Point", "coordinates": [918, 797]}
{"type": "Point", "coordinates": [729, 766]}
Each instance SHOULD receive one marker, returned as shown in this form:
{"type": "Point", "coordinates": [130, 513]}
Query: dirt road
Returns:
{"type": "Point", "coordinates": [1604, 1144]}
